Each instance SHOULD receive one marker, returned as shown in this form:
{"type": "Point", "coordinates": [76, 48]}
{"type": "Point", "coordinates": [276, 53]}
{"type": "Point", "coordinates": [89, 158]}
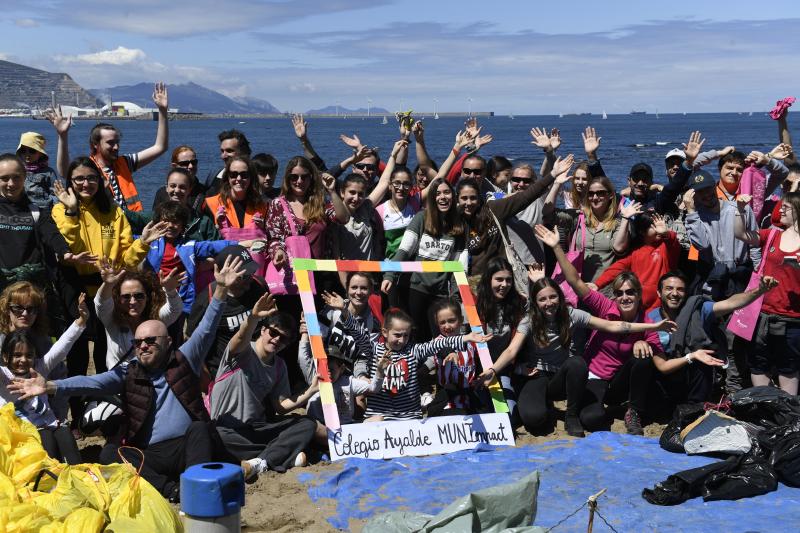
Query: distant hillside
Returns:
{"type": "Point", "coordinates": [187, 98]}
{"type": "Point", "coordinates": [331, 110]}
{"type": "Point", "coordinates": [26, 87]}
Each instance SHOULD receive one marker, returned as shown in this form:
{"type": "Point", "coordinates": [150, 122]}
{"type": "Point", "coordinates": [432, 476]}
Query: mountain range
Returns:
{"type": "Point", "coordinates": [187, 98]}
{"type": "Point", "coordinates": [334, 110]}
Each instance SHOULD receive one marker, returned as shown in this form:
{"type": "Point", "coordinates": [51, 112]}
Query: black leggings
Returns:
{"type": "Point", "coordinates": [419, 307]}
{"type": "Point", "coordinates": [631, 383]}
{"type": "Point", "coordinates": [534, 394]}
{"type": "Point", "coordinates": [78, 358]}
{"type": "Point", "coordinates": [60, 445]}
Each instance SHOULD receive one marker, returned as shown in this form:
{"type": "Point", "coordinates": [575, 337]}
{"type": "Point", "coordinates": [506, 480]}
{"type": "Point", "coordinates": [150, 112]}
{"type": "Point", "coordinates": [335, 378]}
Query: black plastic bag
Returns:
{"type": "Point", "coordinates": [687, 484]}
{"type": "Point", "coordinates": [784, 444]}
{"type": "Point", "coordinates": [684, 414]}
{"type": "Point", "coordinates": [752, 476]}
{"type": "Point", "coordinates": [765, 406]}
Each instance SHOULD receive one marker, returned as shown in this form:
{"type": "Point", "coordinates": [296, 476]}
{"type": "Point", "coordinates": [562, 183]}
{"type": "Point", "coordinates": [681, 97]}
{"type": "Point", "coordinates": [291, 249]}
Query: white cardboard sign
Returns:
{"type": "Point", "coordinates": [443, 434]}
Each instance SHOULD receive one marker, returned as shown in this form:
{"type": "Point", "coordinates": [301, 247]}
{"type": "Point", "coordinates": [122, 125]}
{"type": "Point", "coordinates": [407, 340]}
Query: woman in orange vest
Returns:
{"type": "Point", "coordinates": [239, 211]}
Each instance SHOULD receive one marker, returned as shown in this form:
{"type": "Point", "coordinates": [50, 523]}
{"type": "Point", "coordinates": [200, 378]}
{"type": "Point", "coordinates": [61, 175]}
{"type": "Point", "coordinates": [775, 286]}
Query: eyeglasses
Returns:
{"type": "Point", "coordinates": [365, 166]}
{"type": "Point", "coordinates": [471, 171]}
{"type": "Point", "coordinates": [785, 208]}
{"type": "Point", "coordinates": [235, 174]}
{"type": "Point", "coordinates": [517, 179]}
{"type": "Point", "coordinates": [405, 185]}
{"type": "Point", "coordinates": [186, 164]}
{"type": "Point", "coordinates": [275, 333]}
{"type": "Point", "coordinates": [626, 292]}
{"type": "Point", "coordinates": [19, 309]}
{"type": "Point", "coordinates": [91, 178]}
{"type": "Point", "coordinates": [299, 177]}
{"type": "Point", "coordinates": [150, 341]}
{"type": "Point", "coordinates": [138, 296]}
{"type": "Point", "coordinates": [599, 194]}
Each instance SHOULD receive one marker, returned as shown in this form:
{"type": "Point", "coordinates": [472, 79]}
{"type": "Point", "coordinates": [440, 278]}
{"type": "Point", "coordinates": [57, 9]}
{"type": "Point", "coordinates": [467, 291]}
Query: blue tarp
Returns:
{"type": "Point", "coordinates": [570, 470]}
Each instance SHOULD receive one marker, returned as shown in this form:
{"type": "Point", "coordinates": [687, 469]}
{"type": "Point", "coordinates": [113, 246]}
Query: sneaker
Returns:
{"type": "Point", "coordinates": [573, 426]}
{"type": "Point", "coordinates": [633, 422]}
{"type": "Point", "coordinates": [175, 494]}
{"type": "Point", "coordinates": [426, 399]}
{"type": "Point", "coordinates": [251, 468]}
{"type": "Point", "coordinates": [301, 459]}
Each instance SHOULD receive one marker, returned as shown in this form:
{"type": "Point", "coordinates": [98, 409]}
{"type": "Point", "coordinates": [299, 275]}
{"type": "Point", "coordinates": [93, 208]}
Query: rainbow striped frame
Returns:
{"type": "Point", "coordinates": [303, 266]}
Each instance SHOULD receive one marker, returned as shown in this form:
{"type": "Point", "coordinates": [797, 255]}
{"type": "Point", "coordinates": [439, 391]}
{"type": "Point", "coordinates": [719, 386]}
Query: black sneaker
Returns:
{"type": "Point", "coordinates": [633, 422]}
{"type": "Point", "coordinates": [175, 494]}
{"type": "Point", "coordinates": [573, 426]}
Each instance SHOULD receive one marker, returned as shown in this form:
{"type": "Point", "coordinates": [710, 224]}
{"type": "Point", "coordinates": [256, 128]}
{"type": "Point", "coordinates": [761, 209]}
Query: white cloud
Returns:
{"type": "Point", "coordinates": [118, 56]}
{"type": "Point", "coordinates": [306, 87]}
{"type": "Point", "coordinates": [26, 23]}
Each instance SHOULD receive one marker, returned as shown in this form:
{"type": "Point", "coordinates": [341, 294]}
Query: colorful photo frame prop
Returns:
{"type": "Point", "coordinates": [417, 437]}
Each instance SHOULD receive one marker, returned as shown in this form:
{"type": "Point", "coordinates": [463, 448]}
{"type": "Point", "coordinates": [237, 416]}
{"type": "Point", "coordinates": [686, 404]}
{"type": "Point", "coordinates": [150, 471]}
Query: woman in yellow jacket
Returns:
{"type": "Point", "coordinates": [94, 226]}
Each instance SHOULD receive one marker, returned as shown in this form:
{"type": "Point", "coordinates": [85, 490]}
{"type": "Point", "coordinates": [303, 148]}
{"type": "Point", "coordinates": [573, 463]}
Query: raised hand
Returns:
{"type": "Point", "coordinates": [659, 224]}
{"type": "Point", "coordinates": [540, 138]}
{"type": "Point", "coordinates": [405, 132]}
{"type": "Point", "coordinates": [353, 142]}
{"type": "Point", "coordinates": [561, 166]}
{"type": "Point", "coordinates": [688, 200]}
{"type": "Point", "coordinates": [642, 350]}
{"type": "Point", "coordinates": [28, 388]}
{"type": "Point", "coordinates": [83, 258]}
{"type": "Point", "coordinates": [329, 182]}
{"type": "Point", "coordinates": [83, 309]}
{"type": "Point", "coordinates": [386, 286]}
{"type": "Point", "coordinates": [154, 231]}
{"type": "Point", "coordinates": [232, 270]}
{"type": "Point", "coordinates": [463, 139]}
{"type": "Point", "coordinates": [399, 145]}
{"type": "Point", "coordinates": [160, 96]}
{"type": "Point", "coordinates": [547, 236]}
{"type": "Point", "coordinates": [170, 282]}
{"type": "Point", "coordinates": [303, 326]}
{"type": "Point", "coordinates": [742, 201]}
{"type": "Point", "coordinates": [110, 272]}
{"type": "Point", "coordinates": [471, 127]}
{"type": "Point", "coordinates": [66, 196]}
{"type": "Point", "coordinates": [483, 140]}
{"type": "Point", "coordinates": [333, 300]}
{"type": "Point", "coordinates": [555, 139]}
{"type": "Point", "coordinates": [535, 272]}
{"type": "Point", "coordinates": [693, 146]}
{"type": "Point", "coordinates": [418, 129]}
{"type": "Point", "coordinates": [300, 126]}
{"type": "Point", "coordinates": [591, 142]}
{"type": "Point", "coordinates": [766, 283]}
{"type": "Point", "coordinates": [725, 151]}
{"type": "Point", "coordinates": [632, 209]}
{"type": "Point", "coordinates": [59, 121]}
{"type": "Point", "coordinates": [782, 151]}
{"type": "Point", "coordinates": [266, 306]}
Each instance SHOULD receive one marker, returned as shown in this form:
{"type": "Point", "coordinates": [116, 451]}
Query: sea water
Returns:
{"type": "Point", "coordinates": [626, 139]}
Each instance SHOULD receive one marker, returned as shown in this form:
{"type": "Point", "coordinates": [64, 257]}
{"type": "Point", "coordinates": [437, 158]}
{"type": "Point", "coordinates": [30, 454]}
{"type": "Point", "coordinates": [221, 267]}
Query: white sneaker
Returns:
{"type": "Point", "coordinates": [301, 459]}
{"type": "Point", "coordinates": [251, 468]}
{"type": "Point", "coordinates": [426, 399]}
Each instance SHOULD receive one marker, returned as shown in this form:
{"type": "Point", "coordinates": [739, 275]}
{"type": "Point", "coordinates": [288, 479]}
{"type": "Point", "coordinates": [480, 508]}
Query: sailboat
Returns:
{"type": "Point", "coordinates": [561, 115]}
{"type": "Point", "coordinates": [656, 113]}
{"type": "Point", "coordinates": [384, 120]}
{"type": "Point", "coordinates": [511, 116]}
{"type": "Point", "coordinates": [605, 117]}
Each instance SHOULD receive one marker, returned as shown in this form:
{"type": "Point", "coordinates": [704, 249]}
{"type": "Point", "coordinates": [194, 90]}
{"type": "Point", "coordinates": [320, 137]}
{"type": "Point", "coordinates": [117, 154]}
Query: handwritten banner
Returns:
{"type": "Point", "coordinates": [444, 434]}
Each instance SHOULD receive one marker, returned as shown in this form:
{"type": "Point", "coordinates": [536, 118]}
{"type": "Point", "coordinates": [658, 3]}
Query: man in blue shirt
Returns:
{"type": "Point", "coordinates": [160, 390]}
{"type": "Point", "coordinates": [699, 336]}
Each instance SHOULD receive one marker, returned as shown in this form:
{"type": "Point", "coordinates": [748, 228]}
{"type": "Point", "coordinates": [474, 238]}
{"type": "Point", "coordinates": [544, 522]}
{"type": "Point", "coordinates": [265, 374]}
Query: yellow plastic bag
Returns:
{"type": "Point", "coordinates": [22, 518]}
{"type": "Point", "coordinates": [141, 504]}
{"type": "Point", "coordinates": [82, 520]}
{"type": "Point", "coordinates": [78, 487]}
{"type": "Point", "coordinates": [8, 492]}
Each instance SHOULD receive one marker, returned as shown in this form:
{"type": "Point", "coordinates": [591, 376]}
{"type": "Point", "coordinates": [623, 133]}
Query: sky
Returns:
{"type": "Point", "coordinates": [521, 57]}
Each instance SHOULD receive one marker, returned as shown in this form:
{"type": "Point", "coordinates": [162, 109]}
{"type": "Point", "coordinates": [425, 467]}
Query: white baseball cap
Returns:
{"type": "Point", "coordinates": [675, 152]}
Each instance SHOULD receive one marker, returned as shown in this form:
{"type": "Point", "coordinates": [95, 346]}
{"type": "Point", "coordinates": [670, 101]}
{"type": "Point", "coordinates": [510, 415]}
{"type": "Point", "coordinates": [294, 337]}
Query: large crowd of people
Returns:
{"type": "Point", "coordinates": [624, 303]}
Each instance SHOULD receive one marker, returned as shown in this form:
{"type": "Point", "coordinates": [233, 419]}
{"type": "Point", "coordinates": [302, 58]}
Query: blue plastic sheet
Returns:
{"type": "Point", "coordinates": [570, 470]}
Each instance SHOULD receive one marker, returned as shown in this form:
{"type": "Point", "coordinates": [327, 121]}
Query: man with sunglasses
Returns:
{"type": "Point", "coordinates": [161, 397]}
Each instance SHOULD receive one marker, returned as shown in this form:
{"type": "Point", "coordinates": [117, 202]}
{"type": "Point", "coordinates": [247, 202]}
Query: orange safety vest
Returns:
{"type": "Point", "coordinates": [213, 203]}
{"type": "Point", "coordinates": [125, 182]}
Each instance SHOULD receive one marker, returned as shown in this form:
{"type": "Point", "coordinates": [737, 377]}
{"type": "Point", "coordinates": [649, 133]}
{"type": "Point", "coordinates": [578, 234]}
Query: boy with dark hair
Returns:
{"type": "Point", "coordinates": [266, 168]}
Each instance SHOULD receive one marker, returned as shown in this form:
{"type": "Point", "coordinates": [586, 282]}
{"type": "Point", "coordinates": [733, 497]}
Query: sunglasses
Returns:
{"type": "Point", "coordinates": [471, 171]}
{"type": "Point", "coordinates": [235, 174]}
{"type": "Point", "coordinates": [25, 150]}
{"type": "Point", "coordinates": [365, 166]}
{"type": "Point", "coordinates": [626, 292]}
{"type": "Point", "coordinates": [516, 179]}
{"type": "Point", "coordinates": [405, 185]}
{"type": "Point", "coordinates": [186, 164]}
{"type": "Point", "coordinates": [275, 333]}
{"type": "Point", "coordinates": [599, 194]}
{"type": "Point", "coordinates": [19, 309]}
{"type": "Point", "coordinates": [150, 341]}
{"type": "Point", "coordinates": [299, 177]}
{"type": "Point", "coordinates": [138, 296]}
{"type": "Point", "coordinates": [91, 178]}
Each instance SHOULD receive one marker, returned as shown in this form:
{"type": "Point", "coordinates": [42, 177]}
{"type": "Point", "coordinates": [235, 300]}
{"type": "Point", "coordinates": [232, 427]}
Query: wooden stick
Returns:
{"type": "Point", "coordinates": [592, 501]}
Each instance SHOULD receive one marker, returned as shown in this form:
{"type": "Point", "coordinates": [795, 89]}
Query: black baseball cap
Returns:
{"type": "Point", "coordinates": [641, 168]}
{"type": "Point", "coordinates": [700, 180]}
{"type": "Point", "coordinates": [234, 250]}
